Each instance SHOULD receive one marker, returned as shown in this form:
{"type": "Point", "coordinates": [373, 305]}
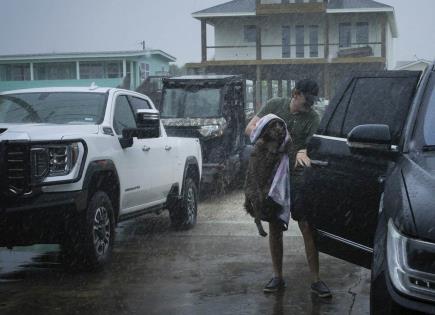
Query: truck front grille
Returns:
{"type": "Point", "coordinates": [17, 169]}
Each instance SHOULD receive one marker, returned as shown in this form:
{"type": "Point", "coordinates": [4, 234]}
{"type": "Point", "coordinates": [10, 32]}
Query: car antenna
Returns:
{"type": "Point", "coordinates": [93, 86]}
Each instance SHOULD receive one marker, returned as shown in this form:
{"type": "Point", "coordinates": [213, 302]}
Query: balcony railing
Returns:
{"type": "Point", "coordinates": [294, 51]}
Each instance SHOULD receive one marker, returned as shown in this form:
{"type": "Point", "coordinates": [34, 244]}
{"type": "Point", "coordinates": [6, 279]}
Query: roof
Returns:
{"type": "Point", "coordinates": [232, 8]}
{"type": "Point", "coordinates": [403, 65]}
{"type": "Point", "coordinates": [356, 4]}
{"type": "Point", "coordinates": [248, 8]}
{"type": "Point", "coordinates": [84, 55]}
{"type": "Point", "coordinates": [205, 77]}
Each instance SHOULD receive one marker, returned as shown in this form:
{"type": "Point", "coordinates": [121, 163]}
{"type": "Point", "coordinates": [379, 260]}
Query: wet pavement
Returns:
{"type": "Point", "coordinates": [219, 267]}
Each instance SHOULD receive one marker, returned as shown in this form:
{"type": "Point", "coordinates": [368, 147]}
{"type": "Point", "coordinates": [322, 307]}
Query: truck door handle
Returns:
{"type": "Point", "coordinates": [319, 163]}
{"type": "Point", "coordinates": [168, 148]}
{"type": "Point", "coordinates": [146, 148]}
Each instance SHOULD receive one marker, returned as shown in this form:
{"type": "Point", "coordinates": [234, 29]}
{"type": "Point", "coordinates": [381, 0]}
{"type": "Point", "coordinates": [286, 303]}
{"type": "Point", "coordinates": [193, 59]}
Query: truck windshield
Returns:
{"type": "Point", "coordinates": [429, 117]}
{"type": "Point", "coordinates": [54, 108]}
{"type": "Point", "coordinates": [186, 103]}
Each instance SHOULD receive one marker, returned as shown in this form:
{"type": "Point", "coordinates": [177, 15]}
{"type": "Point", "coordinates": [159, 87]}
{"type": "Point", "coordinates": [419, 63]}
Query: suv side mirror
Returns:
{"type": "Point", "coordinates": [370, 138]}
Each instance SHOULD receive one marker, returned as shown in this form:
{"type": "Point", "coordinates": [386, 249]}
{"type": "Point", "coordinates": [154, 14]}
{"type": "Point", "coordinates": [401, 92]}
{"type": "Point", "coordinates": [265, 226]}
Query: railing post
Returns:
{"type": "Point", "coordinates": [203, 40]}
{"type": "Point", "coordinates": [326, 48]}
{"type": "Point", "coordinates": [384, 38]}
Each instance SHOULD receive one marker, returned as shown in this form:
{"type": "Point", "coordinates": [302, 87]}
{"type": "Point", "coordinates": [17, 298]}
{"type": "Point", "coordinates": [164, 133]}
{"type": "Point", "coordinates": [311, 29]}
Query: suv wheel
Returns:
{"type": "Point", "coordinates": [92, 247]}
{"type": "Point", "coordinates": [183, 213]}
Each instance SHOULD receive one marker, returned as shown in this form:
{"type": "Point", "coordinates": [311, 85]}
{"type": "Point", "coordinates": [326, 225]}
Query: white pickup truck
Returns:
{"type": "Point", "coordinates": [76, 161]}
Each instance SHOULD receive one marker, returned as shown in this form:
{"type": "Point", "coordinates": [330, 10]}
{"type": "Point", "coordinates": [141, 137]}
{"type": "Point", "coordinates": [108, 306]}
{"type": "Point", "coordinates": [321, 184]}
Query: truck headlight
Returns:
{"type": "Point", "coordinates": [211, 131]}
{"type": "Point", "coordinates": [411, 264]}
{"type": "Point", "coordinates": [54, 160]}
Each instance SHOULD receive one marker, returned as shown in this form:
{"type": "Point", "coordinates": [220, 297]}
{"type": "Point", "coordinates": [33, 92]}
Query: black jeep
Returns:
{"type": "Point", "coordinates": [211, 108]}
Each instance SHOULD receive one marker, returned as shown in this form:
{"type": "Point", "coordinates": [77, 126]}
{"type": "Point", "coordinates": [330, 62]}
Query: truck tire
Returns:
{"type": "Point", "coordinates": [183, 214]}
{"type": "Point", "coordinates": [91, 246]}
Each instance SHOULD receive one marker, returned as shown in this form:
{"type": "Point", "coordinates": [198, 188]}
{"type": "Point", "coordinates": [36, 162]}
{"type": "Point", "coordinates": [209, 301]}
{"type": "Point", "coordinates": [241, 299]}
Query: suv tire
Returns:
{"type": "Point", "coordinates": [183, 214]}
{"type": "Point", "coordinates": [91, 246]}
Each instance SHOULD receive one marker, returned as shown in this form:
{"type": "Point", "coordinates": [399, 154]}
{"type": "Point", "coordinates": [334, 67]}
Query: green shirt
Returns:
{"type": "Point", "coordinates": [301, 125]}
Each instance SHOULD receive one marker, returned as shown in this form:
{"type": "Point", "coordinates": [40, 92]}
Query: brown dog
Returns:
{"type": "Point", "coordinates": [262, 166]}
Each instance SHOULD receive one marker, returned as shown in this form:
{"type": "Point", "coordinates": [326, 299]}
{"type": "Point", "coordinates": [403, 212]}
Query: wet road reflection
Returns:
{"type": "Point", "coordinates": [219, 267]}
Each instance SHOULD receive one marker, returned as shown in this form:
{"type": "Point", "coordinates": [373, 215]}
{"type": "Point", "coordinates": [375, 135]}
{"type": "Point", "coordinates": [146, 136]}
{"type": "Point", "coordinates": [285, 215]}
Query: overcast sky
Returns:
{"type": "Point", "coordinates": [45, 26]}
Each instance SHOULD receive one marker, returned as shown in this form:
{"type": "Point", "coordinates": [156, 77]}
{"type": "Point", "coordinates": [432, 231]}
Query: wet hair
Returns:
{"type": "Point", "coordinates": [309, 89]}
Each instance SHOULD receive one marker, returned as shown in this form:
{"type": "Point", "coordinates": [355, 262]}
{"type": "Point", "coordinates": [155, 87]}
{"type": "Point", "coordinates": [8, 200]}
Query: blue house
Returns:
{"type": "Point", "coordinates": [127, 69]}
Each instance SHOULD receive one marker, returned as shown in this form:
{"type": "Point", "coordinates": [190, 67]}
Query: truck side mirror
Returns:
{"type": "Point", "coordinates": [148, 126]}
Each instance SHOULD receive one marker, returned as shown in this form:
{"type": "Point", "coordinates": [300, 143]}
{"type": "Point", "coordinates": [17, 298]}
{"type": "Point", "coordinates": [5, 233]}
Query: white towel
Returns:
{"type": "Point", "coordinates": [280, 188]}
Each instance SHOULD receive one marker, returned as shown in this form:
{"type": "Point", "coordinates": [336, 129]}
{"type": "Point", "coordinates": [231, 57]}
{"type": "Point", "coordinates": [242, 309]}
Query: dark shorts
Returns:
{"type": "Point", "coordinates": [298, 212]}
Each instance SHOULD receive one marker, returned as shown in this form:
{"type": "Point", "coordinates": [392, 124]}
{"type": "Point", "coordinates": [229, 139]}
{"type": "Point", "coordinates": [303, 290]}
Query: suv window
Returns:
{"type": "Point", "coordinates": [373, 100]}
{"type": "Point", "coordinates": [124, 116]}
{"type": "Point", "coordinates": [336, 123]}
{"type": "Point", "coordinates": [428, 114]}
{"type": "Point", "coordinates": [138, 103]}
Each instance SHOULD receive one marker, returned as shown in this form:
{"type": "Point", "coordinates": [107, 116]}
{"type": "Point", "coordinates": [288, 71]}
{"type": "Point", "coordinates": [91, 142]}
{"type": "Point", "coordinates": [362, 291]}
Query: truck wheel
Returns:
{"type": "Point", "coordinates": [91, 246]}
{"type": "Point", "coordinates": [183, 213]}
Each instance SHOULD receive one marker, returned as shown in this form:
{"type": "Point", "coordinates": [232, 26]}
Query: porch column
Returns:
{"type": "Point", "coordinates": [269, 89]}
{"type": "Point", "coordinates": [77, 70]}
{"type": "Point", "coordinates": [326, 47]}
{"type": "Point", "coordinates": [258, 94]}
{"type": "Point", "coordinates": [32, 75]}
{"type": "Point", "coordinates": [203, 41]}
{"type": "Point", "coordinates": [258, 41]}
{"type": "Point", "coordinates": [280, 88]}
{"type": "Point", "coordinates": [124, 68]}
{"type": "Point", "coordinates": [384, 38]}
{"type": "Point", "coordinates": [289, 87]}
{"type": "Point", "coordinates": [326, 83]}
{"type": "Point", "coordinates": [132, 80]}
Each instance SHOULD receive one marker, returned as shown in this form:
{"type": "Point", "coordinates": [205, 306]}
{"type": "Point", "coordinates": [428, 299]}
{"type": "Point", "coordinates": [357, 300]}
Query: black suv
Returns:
{"type": "Point", "coordinates": [371, 191]}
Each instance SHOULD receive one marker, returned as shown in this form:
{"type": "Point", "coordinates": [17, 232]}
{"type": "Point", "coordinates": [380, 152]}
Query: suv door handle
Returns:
{"type": "Point", "coordinates": [319, 163]}
{"type": "Point", "coordinates": [146, 148]}
{"type": "Point", "coordinates": [168, 148]}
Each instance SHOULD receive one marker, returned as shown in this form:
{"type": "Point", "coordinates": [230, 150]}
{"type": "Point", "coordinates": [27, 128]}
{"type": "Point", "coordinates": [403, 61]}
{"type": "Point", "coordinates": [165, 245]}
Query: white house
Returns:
{"type": "Point", "coordinates": [285, 40]}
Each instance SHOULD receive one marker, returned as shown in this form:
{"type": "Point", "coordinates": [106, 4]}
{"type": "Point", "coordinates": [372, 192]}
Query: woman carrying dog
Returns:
{"type": "Point", "coordinates": [302, 121]}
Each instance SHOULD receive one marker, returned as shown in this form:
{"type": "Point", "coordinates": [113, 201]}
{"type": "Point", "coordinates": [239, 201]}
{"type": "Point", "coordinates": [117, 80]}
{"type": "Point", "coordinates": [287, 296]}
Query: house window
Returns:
{"type": "Point", "coordinates": [300, 39]}
{"type": "Point", "coordinates": [286, 42]}
{"type": "Point", "coordinates": [91, 70]}
{"type": "Point", "coordinates": [285, 1]}
{"type": "Point", "coordinates": [15, 72]}
{"type": "Point", "coordinates": [314, 41]}
{"type": "Point", "coordinates": [250, 33]}
{"type": "Point", "coordinates": [55, 71]}
{"type": "Point", "coordinates": [144, 70]}
{"type": "Point", "coordinates": [362, 33]}
{"type": "Point", "coordinates": [101, 70]}
{"type": "Point", "coordinates": [113, 69]}
{"type": "Point", "coordinates": [344, 31]}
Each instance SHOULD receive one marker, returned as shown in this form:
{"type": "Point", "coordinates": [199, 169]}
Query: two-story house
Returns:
{"type": "Point", "coordinates": [276, 42]}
